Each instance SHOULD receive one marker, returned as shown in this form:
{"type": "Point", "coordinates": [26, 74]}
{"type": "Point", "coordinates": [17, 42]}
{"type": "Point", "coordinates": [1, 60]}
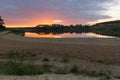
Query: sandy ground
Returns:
{"type": "Point", "coordinates": [82, 51]}
{"type": "Point", "coordinates": [82, 48]}
{"type": "Point", "coordinates": [47, 77]}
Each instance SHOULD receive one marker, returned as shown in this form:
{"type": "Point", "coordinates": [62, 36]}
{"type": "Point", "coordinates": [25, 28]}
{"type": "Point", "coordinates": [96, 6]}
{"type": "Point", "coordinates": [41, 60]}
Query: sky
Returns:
{"type": "Point", "coordinates": [33, 12]}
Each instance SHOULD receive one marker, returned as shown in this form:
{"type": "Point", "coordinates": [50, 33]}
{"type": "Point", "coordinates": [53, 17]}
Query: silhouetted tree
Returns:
{"type": "Point", "coordinates": [2, 24]}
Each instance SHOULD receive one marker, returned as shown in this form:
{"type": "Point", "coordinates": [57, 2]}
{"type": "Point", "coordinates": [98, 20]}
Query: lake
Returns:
{"type": "Point", "coordinates": [65, 35]}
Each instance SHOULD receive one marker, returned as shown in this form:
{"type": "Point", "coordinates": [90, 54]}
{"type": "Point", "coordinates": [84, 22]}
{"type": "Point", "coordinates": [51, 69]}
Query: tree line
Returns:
{"type": "Point", "coordinates": [111, 28]}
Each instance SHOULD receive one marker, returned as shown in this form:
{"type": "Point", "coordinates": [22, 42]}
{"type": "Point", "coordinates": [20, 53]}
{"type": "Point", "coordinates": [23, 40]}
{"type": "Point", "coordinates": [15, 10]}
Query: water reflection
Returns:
{"type": "Point", "coordinates": [65, 35]}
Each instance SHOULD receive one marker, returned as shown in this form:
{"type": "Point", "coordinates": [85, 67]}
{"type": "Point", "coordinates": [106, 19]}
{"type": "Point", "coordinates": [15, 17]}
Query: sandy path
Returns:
{"type": "Point", "coordinates": [47, 77]}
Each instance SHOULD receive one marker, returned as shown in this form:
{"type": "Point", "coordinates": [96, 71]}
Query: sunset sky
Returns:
{"type": "Point", "coordinates": [34, 12]}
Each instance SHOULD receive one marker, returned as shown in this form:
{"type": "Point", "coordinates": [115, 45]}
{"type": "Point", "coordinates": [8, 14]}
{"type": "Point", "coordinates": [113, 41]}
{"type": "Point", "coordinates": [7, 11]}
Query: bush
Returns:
{"type": "Point", "coordinates": [46, 67]}
{"type": "Point", "coordinates": [65, 60]}
{"type": "Point", "coordinates": [46, 59]}
{"type": "Point", "coordinates": [75, 69]}
{"type": "Point", "coordinates": [22, 69]}
{"type": "Point", "coordinates": [15, 65]}
{"type": "Point", "coordinates": [16, 56]}
{"type": "Point", "coordinates": [63, 70]}
{"type": "Point", "coordinates": [91, 73]}
{"type": "Point", "coordinates": [2, 69]}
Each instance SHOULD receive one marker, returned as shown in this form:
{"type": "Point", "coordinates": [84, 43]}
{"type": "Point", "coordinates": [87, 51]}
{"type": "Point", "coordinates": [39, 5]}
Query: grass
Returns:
{"type": "Point", "coordinates": [75, 69]}
{"type": "Point", "coordinates": [16, 56]}
{"type": "Point", "coordinates": [65, 60]}
{"type": "Point", "coordinates": [117, 77]}
{"type": "Point", "coordinates": [100, 61]}
{"type": "Point", "coordinates": [17, 31]}
{"type": "Point", "coordinates": [55, 60]}
{"type": "Point", "coordinates": [20, 56]}
{"type": "Point", "coordinates": [90, 73]}
{"type": "Point", "coordinates": [46, 59]}
{"type": "Point", "coordinates": [31, 55]}
{"type": "Point", "coordinates": [2, 69]}
{"type": "Point", "coordinates": [16, 66]}
{"type": "Point", "coordinates": [26, 69]}
{"type": "Point", "coordinates": [63, 70]}
{"type": "Point", "coordinates": [23, 69]}
{"type": "Point", "coordinates": [101, 74]}
{"type": "Point", "coordinates": [46, 67]}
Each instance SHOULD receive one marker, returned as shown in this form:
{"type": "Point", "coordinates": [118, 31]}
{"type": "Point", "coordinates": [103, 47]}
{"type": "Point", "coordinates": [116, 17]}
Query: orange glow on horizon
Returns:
{"type": "Point", "coordinates": [32, 23]}
{"type": "Point", "coordinates": [37, 20]}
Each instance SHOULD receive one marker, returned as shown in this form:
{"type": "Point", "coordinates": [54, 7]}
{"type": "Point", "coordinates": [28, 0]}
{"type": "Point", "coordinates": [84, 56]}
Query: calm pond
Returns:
{"type": "Point", "coordinates": [66, 35]}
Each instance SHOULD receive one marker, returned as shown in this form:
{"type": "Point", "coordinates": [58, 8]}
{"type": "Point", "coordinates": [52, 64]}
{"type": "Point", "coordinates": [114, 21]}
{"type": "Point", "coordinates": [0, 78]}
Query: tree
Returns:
{"type": "Point", "coordinates": [2, 24]}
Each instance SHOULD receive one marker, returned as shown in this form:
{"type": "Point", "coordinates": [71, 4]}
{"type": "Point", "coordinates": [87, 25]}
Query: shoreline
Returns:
{"type": "Point", "coordinates": [91, 41]}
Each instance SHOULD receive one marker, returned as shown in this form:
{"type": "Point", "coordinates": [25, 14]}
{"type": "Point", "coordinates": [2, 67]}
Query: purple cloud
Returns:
{"type": "Point", "coordinates": [69, 11]}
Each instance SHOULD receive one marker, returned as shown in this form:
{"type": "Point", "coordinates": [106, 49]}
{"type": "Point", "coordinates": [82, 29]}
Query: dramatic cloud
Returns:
{"type": "Point", "coordinates": [33, 12]}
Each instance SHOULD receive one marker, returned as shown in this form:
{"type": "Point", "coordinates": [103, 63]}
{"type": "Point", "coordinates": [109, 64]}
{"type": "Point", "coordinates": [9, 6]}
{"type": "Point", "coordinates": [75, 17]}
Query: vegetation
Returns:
{"type": "Point", "coordinates": [23, 69]}
{"type": "Point", "coordinates": [46, 59]}
{"type": "Point", "coordinates": [16, 56]}
{"type": "Point", "coordinates": [111, 28]}
{"type": "Point", "coordinates": [15, 66]}
{"type": "Point", "coordinates": [2, 27]}
{"type": "Point", "coordinates": [75, 69]}
{"type": "Point", "coordinates": [65, 60]}
{"type": "Point", "coordinates": [46, 67]}
{"type": "Point", "coordinates": [17, 31]}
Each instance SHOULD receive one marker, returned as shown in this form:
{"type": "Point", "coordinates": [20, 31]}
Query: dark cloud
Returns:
{"type": "Point", "coordinates": [73, 11]}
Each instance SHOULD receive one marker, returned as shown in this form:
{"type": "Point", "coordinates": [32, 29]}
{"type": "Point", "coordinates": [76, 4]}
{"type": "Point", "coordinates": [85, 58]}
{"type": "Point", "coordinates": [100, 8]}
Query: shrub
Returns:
{"type": "Point", "coordinates": [100, 60]}
{"type": "Point", "coordinates": [46, 59]}
{"type": "Point", "coordinates": [75, 69]}
{"type": "Point", "coordinates": [22, 69]}
{"type": "Point", "coordinates": [15, 65]}
{"type": "Point", "coordinates": [46, 67]}
{"type": "Point", "coordinates": [91, 73]}
{"type": "Point", "coordinates": [65, 60]}
{"type": "Point", "coordinates": [63, 70]}
{"type": "Point", "coordinates": [2, 68]}
{"type": "Point", "coordinates": [16, 56]}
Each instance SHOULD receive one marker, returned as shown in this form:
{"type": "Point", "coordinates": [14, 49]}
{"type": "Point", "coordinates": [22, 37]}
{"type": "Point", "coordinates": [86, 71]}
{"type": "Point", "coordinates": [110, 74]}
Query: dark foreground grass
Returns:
{"type": "Point", "coordinates": [22, 69]}
{"type": "Point", "coordinates": [19, 69]}
{"type": "Point", "coordinates": [26, 69]}
{"type": "Point", "coordinates": [15, 66]}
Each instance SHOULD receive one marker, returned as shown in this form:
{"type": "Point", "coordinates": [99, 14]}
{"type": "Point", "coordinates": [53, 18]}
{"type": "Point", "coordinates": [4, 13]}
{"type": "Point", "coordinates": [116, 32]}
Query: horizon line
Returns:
{"type": "Point", "coordinates": [22, 26]}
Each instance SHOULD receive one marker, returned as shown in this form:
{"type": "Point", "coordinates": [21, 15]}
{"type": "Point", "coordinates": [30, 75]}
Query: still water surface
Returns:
{"type": "Point", "coordinates": [66, 35]}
